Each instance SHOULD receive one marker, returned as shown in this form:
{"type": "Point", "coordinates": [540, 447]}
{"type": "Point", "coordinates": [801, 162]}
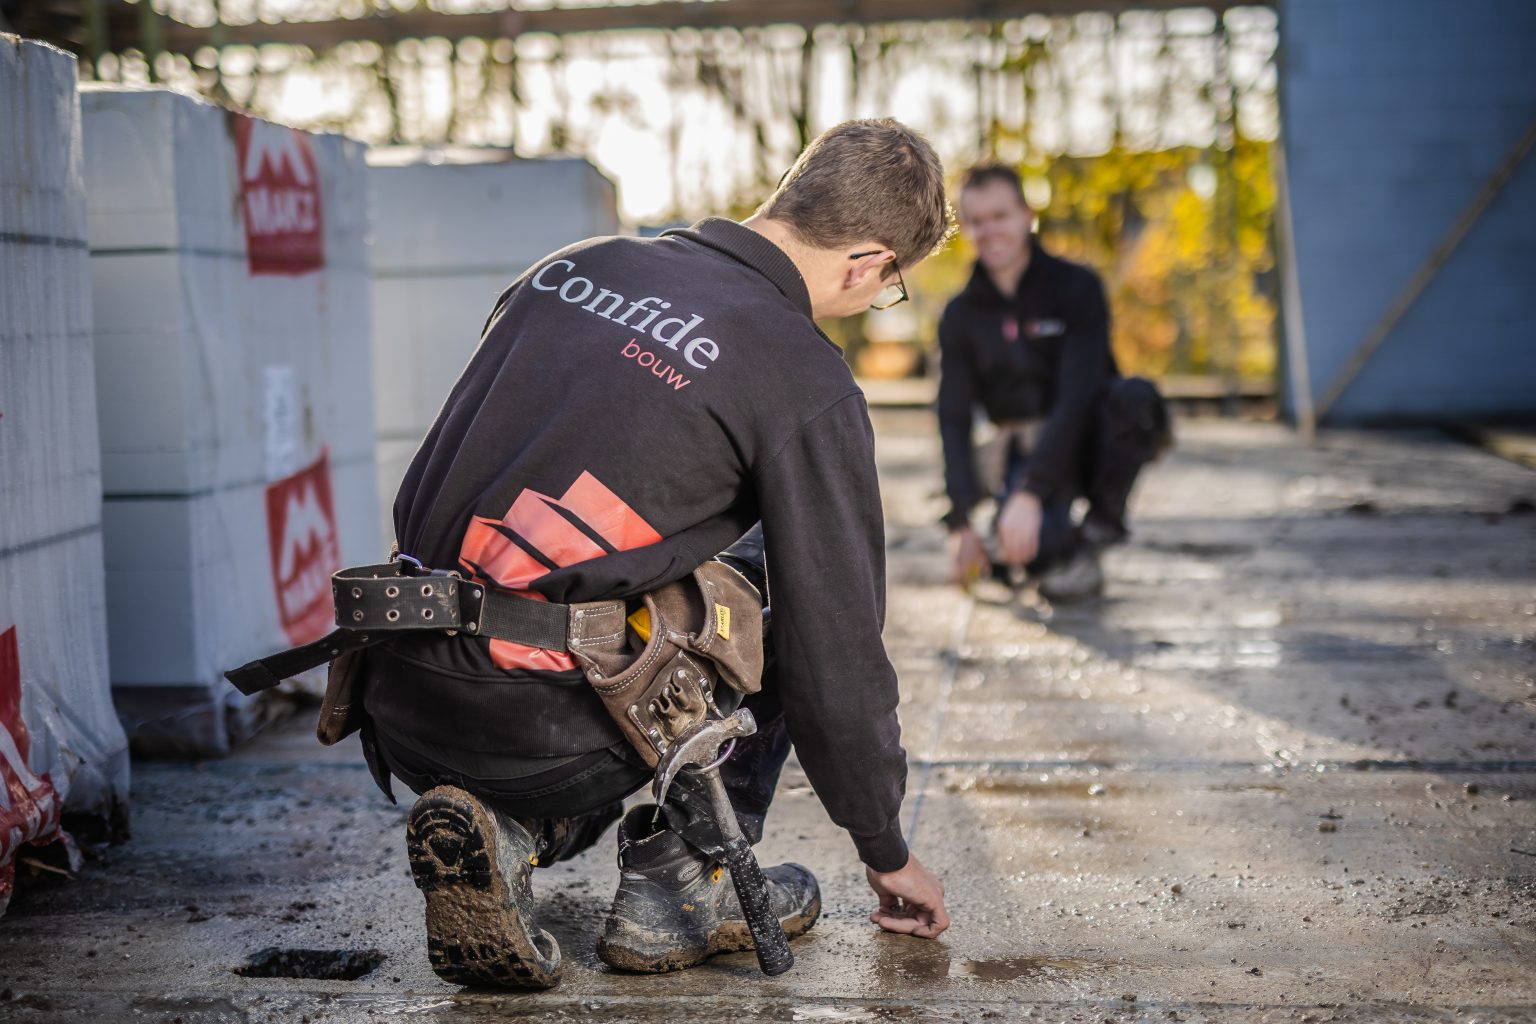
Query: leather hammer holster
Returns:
{"type": "Point", "coordinates": [706, 628]}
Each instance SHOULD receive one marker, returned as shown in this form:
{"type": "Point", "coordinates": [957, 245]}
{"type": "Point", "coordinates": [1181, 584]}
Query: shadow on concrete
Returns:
{"type": "Point", "coordinates": [1387, 636]}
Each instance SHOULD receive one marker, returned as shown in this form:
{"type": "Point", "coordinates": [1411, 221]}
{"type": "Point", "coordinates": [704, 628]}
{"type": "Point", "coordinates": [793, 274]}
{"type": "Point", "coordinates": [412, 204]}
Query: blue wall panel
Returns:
{"type": "Point", "coordinates": [1394, 114]}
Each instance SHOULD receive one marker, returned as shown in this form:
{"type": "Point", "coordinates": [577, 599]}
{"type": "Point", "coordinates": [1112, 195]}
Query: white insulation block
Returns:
{"type": "Point", "coordinates": [230, 268]}
{"type": "Point", "coordinates": [448, 238]}
{"type": "Point", "coordinates": [53, 630]}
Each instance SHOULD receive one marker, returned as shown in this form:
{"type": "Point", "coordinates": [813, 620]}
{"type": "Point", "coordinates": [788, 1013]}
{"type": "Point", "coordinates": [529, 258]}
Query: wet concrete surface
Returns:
{"type": "Point", "coordinates": [1284, 771]}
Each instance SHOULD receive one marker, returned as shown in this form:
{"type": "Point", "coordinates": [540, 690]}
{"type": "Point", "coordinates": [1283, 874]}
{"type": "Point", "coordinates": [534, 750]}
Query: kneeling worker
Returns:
{"type": "Point", "coordinates": [635, 408]}
{"type": "Point", "coordinates": [1027, 342]}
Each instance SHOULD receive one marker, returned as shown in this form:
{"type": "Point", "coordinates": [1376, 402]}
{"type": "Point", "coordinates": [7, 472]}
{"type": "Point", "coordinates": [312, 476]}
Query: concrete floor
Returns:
{"type": "Point", "coordinates": [1284, 771]}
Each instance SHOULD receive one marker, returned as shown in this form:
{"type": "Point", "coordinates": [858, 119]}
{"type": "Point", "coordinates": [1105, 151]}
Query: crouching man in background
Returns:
{"type": "Point", "coordinates": [1027, 342]}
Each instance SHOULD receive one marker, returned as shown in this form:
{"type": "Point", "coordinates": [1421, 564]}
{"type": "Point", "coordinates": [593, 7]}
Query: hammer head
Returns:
{"type": "Point", "coordinates": [699, 746]}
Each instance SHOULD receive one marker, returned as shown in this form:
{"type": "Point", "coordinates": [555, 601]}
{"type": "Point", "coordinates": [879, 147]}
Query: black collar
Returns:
{"type": "Point", "coordinates": [747, 246]}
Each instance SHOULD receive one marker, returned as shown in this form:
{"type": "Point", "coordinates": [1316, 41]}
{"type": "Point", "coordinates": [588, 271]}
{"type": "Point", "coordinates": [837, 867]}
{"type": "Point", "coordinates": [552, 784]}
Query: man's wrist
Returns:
{"type": "Point", "coordinates": [1026, 493]}
{"type": "Point", "coordinates": [1032, 490]}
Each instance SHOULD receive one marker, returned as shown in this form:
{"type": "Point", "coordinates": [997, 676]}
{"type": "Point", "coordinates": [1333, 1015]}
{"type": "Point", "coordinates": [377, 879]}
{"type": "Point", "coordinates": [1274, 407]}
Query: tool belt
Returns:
{"type": "Point", "coordinates": [705, 628]}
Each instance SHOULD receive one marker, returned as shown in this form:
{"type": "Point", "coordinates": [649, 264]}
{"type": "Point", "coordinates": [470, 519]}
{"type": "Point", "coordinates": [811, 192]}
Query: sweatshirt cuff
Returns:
{"type": "Point", "coordinates": [885, 851]}
{"type": "Point", "coordinates": [1041, 489]}
{"type": "Point", "coordinates": [955, 519]}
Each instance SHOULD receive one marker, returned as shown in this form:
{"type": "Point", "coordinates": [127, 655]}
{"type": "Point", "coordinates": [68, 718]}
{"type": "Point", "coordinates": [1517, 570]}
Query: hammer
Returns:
{"type": "Point", "coordinates": [700, 746]}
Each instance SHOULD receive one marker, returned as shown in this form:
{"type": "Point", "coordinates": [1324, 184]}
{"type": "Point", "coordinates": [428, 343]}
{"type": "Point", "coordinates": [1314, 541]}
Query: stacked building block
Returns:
{"type": "Point", "coordinates": [229, 269]}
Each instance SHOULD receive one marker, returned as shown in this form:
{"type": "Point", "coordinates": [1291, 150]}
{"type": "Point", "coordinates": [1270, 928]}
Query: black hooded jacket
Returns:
{"type": "Point", "coordinates": [1041, 353]}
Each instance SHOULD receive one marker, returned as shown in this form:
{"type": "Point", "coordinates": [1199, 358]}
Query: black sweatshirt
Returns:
{"type": "Point", "coordinates": [634, 407]}
{"type": "Point", "coordinates": [1041, 353]}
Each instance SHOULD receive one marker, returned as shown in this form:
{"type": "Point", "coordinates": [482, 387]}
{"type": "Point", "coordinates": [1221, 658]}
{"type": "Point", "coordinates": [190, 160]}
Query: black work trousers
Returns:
{"type": "Point", "coordinates": [568, 802]}
{"type": "Point", "coordinates": [1129, 429]}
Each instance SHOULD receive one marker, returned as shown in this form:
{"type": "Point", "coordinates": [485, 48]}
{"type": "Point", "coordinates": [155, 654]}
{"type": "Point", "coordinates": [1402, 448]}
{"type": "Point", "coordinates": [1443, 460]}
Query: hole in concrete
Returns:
{"type": "Point", "coordinates": [320, 964]}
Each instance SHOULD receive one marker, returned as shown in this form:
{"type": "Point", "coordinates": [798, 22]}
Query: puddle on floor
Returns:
{"type": "Point", "coordinates": [1028, 968]}
{"type": "Point", "coordinates": [1014, 784]}
{"type": "Point", "coordinates": [814, 1012]}
{"type": "Point", "coordinates": [901, 961]}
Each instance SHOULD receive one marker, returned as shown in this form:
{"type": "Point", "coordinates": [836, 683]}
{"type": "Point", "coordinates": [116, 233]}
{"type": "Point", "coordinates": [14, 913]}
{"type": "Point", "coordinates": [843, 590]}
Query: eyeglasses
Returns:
{"type": "Point", "coordinates": [891, 293]}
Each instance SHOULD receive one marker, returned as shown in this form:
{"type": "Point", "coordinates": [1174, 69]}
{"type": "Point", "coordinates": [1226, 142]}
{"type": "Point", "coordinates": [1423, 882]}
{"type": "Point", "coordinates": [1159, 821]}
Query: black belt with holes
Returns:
{"type": "Point", "coordinates": [376, 602]}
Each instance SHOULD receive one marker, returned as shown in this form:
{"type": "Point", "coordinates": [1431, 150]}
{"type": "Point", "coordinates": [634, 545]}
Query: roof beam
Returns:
{"type": "Point", "coordinates": [668, 15]}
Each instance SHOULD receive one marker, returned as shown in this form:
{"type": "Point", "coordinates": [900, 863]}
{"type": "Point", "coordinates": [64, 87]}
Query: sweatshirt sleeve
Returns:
{"type": "Point", "coordinates": [957, 407]}
{"type": "Point", "coordinates": [1084, 365]}
{"type": "Point", "coordinates": [824, 537]}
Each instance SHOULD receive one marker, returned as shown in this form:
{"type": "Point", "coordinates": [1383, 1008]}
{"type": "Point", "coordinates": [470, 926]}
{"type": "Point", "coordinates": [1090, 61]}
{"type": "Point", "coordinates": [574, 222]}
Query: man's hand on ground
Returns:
{"type": "Point", "coordinates": [911, 900]}
{"type": "Point", "coordinates": [1018, 528]}
{"type": "Point", "coordinates": [968, 556]}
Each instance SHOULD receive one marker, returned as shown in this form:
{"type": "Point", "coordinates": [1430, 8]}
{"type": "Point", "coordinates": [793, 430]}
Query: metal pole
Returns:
{"type": "Point", "coordinates": [149, 35]}
{"type": "Point", "coordinates": [96, 31]}
{"type": "Point", "coordinates": [1224, 221]}
{"type": "Point", "coordinates": [1293, 323]}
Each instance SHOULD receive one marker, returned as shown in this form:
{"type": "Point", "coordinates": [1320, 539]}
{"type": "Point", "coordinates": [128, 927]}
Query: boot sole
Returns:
{"type": "Point", "coordinates": [475, 935]}
{"type": "Point", "coordinates": [634, 949]}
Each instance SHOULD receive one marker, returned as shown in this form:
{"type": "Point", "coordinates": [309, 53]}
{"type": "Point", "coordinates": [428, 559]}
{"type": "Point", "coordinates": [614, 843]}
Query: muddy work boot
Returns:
{"type": "Point", "coordinates": [676, 906]}
{"type": "Point", "coordinates": [472, 864]}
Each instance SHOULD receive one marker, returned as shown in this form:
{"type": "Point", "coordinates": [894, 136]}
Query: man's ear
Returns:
{"type": "Point", "coordinates": [860, 269]}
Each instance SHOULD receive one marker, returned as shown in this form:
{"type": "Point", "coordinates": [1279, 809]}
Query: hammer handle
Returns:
{"type": "Point", "coordinates": [773, 954]}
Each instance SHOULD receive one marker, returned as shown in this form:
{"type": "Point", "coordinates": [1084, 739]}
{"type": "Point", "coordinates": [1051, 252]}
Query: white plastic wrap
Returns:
{"type": "Point", "coordinates": [61, 745]}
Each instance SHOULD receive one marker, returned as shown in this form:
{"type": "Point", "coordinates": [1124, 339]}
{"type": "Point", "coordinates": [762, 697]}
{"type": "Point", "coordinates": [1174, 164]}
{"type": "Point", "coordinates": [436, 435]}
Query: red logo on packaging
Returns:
{"type": "Point", "coordinates": [279, 198]}
{"type": "Point", "coordinates": [29, 807]}
{"type": "Point", "coordinates": [301, 527]}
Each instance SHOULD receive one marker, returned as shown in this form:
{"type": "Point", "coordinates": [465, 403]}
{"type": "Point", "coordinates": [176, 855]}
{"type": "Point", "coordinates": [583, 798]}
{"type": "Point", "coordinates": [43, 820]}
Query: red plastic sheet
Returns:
{"type": "Point", "coordinates": [29, 807]}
